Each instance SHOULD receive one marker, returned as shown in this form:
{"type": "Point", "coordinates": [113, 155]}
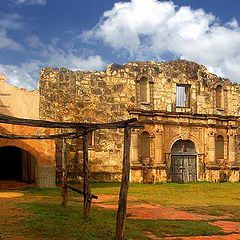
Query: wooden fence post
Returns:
{"type": "Point", "coordinates": [64, 174]}
{"type": "Point", "coordinates": [122, 203]}
{"type": "Point", "coordinates": [86, 178]}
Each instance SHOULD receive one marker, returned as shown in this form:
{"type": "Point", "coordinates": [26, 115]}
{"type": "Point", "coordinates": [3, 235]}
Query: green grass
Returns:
{"type": "Point", "coordinates": [55, 222]}
{"type": "Point", "coordinates": [163, 228]}
{"type": "Point", "coordinates": [44, 218]}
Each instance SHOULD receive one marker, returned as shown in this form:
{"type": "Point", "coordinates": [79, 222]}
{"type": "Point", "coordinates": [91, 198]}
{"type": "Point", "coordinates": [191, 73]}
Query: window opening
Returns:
{"type": "Point", "coordinates": [144, 90]}
{"type": "Point", "coordinates": [219, 98]}
{"type": "Point", "coordinates": [183, 96]}
{"type": "Point", "coordinates": [219, 146]}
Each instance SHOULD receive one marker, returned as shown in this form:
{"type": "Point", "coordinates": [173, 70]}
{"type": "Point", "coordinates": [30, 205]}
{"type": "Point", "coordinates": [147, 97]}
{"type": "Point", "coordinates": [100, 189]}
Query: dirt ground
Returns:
{"type": "Point", "coordinates": [147, 211]}
{"type": "Point", "coordinates": [9, 214]}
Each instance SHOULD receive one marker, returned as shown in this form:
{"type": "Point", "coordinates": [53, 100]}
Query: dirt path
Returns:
{"type": "Point", "coordinates": [147, 211]}
{"type": "Point", "coordinates": [11, 215]}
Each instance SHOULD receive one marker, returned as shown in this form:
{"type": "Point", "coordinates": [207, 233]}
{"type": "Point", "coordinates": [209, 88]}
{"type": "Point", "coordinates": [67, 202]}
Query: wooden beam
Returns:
{"type": "Point", "coordinates": [122, 203]}
{"type": "Point", "coordinates": [77, 190]}
{"type": "Point", "coordinates": [69, 135]}
{"type": "Point", "coordinates": [86, 178]}
{"type": "Point", "coordinates": [49, 124]}
{"type": "Point", "coordinates": [64, 174]}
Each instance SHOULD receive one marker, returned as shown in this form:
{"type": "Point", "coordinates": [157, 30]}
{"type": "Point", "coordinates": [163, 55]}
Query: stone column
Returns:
{"type": "Point", "coordinates": [231, 145]}
{"type": "Point", "coordinates": [134, 148]}
{"type": "Point", "coordinates": [158, 158]}
{"type": "Point", "coordinates": [211, 146]}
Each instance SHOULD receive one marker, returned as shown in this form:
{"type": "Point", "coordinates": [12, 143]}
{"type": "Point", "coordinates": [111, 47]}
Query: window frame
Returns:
{"type": "Point", "coordinates": [187, 90]}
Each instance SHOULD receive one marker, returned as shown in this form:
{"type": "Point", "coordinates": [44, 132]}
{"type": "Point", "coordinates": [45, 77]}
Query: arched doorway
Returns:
{"type": "Point", "coordinates": [184, 161]}
{"type": "Point", "coordinates": [17, 164]}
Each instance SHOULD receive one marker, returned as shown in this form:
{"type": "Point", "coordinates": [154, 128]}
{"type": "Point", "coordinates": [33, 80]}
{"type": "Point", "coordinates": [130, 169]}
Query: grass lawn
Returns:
{"type": "Point", "coordinates": [38, 214]}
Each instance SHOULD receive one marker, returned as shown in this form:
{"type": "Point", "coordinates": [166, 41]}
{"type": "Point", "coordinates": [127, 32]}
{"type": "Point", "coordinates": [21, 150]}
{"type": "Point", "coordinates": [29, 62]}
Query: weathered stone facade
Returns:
{"type": "Point", "coordinates": [191, 120]}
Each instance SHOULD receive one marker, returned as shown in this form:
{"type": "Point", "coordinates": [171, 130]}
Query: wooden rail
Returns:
{"type": "Point", "coordinates": [82, 130]}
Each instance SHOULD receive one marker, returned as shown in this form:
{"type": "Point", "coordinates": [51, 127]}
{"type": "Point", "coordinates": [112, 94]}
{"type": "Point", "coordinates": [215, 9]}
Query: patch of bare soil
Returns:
{"type": "Point", "coordinates": [228, 226]}
{"type": "Point", "coordinates": [10, 194]}
{"type": "Point", "coordinates": [147, 211]}
{"type": "Point", "coordinates": [11, 185]}
{"type": "Point", "coordinates": [227, 237]}
{"type": "Point", "coordinates": [232, 228]}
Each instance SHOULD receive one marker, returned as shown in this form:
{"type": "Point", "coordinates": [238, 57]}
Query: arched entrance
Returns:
{"type": "Point", "coordinates": [184, 161]}
{"type": "Point", "coordinates": [17, 164]}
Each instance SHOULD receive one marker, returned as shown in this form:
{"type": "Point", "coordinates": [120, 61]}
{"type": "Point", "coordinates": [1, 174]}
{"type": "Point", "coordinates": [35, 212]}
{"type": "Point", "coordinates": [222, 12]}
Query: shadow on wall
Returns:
{"type": "Point", "coordinates": [4, 109]}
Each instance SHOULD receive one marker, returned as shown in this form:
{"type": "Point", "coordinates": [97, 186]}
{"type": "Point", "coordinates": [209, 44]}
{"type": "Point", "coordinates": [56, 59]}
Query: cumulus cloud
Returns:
{"type": "Point", "coordinates": [60, 58]}
{"type": "Point", "coordinates": [29, 2]}
{"type": "Point", "coordinates": [150, 29]}
{"type": "Point", "coordinates": [26, 75]}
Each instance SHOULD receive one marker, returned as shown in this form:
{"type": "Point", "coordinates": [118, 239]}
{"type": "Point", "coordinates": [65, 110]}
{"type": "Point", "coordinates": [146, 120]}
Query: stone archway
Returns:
{"type": "Point", "coordinates": [17, 164]}
{"type": "Point", "coordinates": [184, 161]}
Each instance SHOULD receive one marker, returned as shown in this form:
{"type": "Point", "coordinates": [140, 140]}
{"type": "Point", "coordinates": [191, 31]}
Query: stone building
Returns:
{"type": "Point", "coordinates": [191, 120]}
{"type": "Point", "coordinates": [30, 161]}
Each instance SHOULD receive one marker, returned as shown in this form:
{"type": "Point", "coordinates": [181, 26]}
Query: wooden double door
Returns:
{"type": "Point", "coordinates": [184, 168]}
{"type": "Point", "coordinates": [184, 162]}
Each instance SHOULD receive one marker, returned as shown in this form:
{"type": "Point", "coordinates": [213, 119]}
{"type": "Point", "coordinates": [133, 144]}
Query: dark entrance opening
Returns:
{"type": "Point", "coordinates": [17, 164]}
{"type": "Point", "coordinates": [184, 161]}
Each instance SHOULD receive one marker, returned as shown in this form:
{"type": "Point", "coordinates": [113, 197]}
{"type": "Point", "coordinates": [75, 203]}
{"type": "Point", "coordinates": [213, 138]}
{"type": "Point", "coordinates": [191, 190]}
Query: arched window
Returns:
{"type": "Point", "coordinates": [219, 147]}
{"type": "Point", "coordinates": [144, 90]}
{"type": "Point", "coordinates": [145, 145]}
{"type": "Point", "coordinates": [219, 96]}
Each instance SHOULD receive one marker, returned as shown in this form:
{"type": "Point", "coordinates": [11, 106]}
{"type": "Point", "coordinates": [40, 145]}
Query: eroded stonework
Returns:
{"type": "Point", "coordinates": [191, 120]}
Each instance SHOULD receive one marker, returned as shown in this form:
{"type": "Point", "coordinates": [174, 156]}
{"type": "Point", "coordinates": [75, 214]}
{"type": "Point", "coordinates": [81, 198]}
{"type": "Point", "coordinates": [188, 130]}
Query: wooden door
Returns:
{"type": "Point", "coordinates": [184, 162]}
{"type": "Point", "coordinates": [184, 168]}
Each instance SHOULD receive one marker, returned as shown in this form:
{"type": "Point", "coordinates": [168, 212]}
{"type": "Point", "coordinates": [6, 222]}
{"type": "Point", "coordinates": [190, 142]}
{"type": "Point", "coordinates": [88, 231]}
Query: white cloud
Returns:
{"type": "Point", "coordinates": [30, 2]}
{"type": "Point", "coordinates": [27, 74]}
{"type": "Point", "coordinates": [8, 43]}
{"type": "Point", "coordinates": [147, 29]}
{"type": "Point", "coordinates": [13, 22]}
{"type": "Point", "coordinates": [61, 58]}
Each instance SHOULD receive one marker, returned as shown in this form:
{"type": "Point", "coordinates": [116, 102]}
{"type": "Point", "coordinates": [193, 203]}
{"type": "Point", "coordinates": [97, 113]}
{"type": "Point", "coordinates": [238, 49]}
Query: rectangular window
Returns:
{"type": "Point", "coordinates": [183, 95]}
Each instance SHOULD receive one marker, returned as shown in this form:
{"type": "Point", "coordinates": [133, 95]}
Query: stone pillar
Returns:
{"type": "Point", "coordinates": [46, 176]}
{"type": "Point", "coordinates": [231, 145]}
{"type": "Point", "coordinates": [211, 146]}
{"type": "Point", "coordinates": [158, 158]}
{"type": "Point", "coordinates": [134, 148]}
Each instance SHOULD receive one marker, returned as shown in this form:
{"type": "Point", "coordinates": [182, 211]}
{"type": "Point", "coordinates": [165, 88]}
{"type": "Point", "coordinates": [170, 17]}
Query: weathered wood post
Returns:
{"type": "Point", "coordinates": [86, 177]}
{"type": "Point", "coordinates": [122, 203]}
{"type": "Point", "coordinates": [64, 174]}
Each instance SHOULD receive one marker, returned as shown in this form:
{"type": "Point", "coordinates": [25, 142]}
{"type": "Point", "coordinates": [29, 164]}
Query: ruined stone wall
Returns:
{"type": "Point", "coordinates": [114, 94]}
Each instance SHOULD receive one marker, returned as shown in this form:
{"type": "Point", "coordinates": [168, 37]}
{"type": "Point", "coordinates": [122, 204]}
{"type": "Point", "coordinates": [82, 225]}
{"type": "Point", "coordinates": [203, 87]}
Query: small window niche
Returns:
{"type": "Point", "coordinates": [219, 147]}
{"type": "Point", "coordinates": [219, 97]}
{"type": "Point", "coordinates": [145, 145]}
{"type": "Point", "coordinates": [144, 91]}
{"type": "Point", "coordinates": [183, 96]}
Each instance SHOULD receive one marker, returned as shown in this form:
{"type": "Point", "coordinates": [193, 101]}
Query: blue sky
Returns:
{"type": "Point", "coordinates": [88, 34]}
